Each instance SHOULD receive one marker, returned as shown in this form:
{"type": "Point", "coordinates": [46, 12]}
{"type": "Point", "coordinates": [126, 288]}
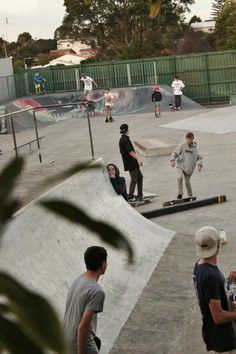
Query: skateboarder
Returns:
{"type": "Point", "coordinates": [177, 86]}
{"type": "Point", "coordinates": [209, 283]}
{"type": "Point", "coordinates": [84, 301]}
{"type": "Point", "coordinates": [108, 103]}
{"type": "Point", "coordinates": [39, 83]}
{"type": "Point", "coordinates": [186, 157]}
{"type": "Point", "coordinates": [88, 86]}
{"type": "Point", "coordinates": [131, 163]}
{"type": "Point", "coordinates": [117, 181]}
{"type": "Point", "coordinates": [156, 98]}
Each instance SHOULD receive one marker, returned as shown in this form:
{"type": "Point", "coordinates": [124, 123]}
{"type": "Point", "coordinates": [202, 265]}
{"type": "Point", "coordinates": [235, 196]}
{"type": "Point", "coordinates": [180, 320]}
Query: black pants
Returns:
{"type": "Point", "coordinates": [136, 178]}
{"type": "Point", "coordinates": [177, 101]}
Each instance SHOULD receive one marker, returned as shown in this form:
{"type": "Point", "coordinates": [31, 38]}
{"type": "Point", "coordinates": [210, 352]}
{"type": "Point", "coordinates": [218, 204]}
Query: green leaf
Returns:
{"type": "Point", "coordinates": [8, 177]}
{"type": "Point", "coordinates": [8, 209]}
{"type": "Point", "coordinates": [107, 233]}
{"type": "Point", "coordinates": [35, 316]}
{"type": "Point", "coordinates": [154, 8]}
{"type": "Point", "coordinates": [14, 340]}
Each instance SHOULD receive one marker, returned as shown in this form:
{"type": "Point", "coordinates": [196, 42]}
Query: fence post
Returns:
{"type": "Point", "coordinates": [52, 75]}
{"type": "Point", "coordinates": [155, 72]}
{"type": "Point", "coordinates": [129, 75]}
{"type": "Point", "coordinates": [77, 79]}
{"type": "Point", "coordinates": [207, 77]}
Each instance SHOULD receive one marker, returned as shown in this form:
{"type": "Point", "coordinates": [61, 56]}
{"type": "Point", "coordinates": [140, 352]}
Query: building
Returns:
{"type": "Point", "coordinates": [67, 59]}
{"type": "Point", "coordinates": [207, 26]}
{"type": "Point", "coordinates": [81, 49]}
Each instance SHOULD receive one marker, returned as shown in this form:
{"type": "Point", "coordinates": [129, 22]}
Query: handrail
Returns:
{"type": "Point", "coordinates": [13, 114]}
{"type": "Point", "coordinates": [16, 112]}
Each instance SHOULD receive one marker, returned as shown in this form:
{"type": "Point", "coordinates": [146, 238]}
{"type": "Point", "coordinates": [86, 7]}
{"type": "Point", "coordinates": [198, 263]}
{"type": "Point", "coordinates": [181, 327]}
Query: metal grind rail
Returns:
{"type": "Point", "coordinates": [13, 115]}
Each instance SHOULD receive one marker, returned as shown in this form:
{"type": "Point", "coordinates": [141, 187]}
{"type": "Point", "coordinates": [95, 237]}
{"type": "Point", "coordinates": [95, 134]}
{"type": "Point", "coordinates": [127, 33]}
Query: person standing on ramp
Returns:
{"type": "Point", "coordinates": [131, 163]}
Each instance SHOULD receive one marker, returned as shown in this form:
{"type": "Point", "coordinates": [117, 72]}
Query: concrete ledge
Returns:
{"type": "Point", "coordinates": [153, 147]}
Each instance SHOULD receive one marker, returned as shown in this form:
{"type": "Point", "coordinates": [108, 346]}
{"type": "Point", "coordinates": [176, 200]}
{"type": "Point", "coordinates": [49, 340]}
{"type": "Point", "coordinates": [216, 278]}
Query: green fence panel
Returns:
{"type": "Point", "coordinates": [206, 75]}
{"type": "Point", "coordinates": [66, 79]}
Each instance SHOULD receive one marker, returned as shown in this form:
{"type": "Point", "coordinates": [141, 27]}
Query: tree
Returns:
{"type": "Point", "coordinates": [225, 30]}
{"type": "Point", "coordinates": [24, 39]}
{"type": "Point", "coordinates": [114, 26]}
{"type": "Point", "coordinates": [194, 19]}
{"type": "Point", "coordinates": [195, 42]}
{"type": "Point", "coordinates": [216, 8]}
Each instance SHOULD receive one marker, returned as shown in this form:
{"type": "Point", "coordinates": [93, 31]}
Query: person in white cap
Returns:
{"type": "Point", "coordinates": [217, 329]}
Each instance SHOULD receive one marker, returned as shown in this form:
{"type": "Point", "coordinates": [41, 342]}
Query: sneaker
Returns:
{"type": "Point", "coordinates": [106, 121]}
{"type": "Point", "coordinates": [140, 198]}
{"type": "Point", "coordinates": [132, 199]}
{"type": "Point", "coordinates": [111, 119]}
{"type": "Point", "coordinates": [179, 196]}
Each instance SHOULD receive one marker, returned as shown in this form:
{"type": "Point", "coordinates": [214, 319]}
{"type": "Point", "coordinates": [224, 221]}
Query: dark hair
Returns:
{"type": "Point", "coordinates": [176, 77]}
{"type": "Point", "coordinates": [94, 256]}
{"type": "Point", "coordinates": [124, 128]}
{"type": "Point", "coordinates": [189, 135]}
{"type": "Point", "coordinates": [107, 89]}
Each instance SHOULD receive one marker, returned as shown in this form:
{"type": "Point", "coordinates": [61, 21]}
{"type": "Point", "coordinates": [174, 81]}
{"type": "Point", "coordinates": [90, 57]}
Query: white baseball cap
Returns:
{"type": "Point", "coordinates": [207, 239]}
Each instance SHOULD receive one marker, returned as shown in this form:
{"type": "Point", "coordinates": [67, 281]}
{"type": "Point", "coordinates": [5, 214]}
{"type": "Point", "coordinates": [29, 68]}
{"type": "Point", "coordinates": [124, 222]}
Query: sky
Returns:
{"type": "Point", "coordinates": [41, 17]}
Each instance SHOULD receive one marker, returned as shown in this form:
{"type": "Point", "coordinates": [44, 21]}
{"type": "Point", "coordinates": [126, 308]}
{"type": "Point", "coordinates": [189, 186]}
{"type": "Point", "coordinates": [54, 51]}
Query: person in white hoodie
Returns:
{"type": "Point", "coordinates": [177, 86]}
{"type": "Point", "coordinates": [186, 157]}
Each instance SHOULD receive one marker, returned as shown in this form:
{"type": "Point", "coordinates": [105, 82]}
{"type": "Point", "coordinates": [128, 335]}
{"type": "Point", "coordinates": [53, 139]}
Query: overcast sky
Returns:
{"type": "Point", "coordinates": [41, 17]}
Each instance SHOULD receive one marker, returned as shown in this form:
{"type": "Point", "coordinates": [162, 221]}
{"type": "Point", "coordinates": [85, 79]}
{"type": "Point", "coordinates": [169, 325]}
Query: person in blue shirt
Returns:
{"type": "Point", "coordinates": [39, 85]}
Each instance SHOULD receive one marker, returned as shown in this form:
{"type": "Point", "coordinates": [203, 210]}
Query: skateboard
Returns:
{"type": "Point", "coordinates": [172, 107]}
{"type": "Point", "coordinates": [179, 201]}
{"type": "Point", "coordinates": [145, 200]}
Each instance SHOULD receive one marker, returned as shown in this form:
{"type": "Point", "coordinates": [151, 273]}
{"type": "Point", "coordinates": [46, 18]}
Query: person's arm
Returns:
{"type": "Point", "coordinates": [133, 154]}
{"type": "Point", "coordinates": [182, 86]}
{"type": "Point", "coordinates": [83, 330]}
{"type": "Point", "coordinates": [199, 162]}
{"type": "Point", "coordinates": [94, 82]}
{"type": "Point", "coordinates": [175, 154]}
{"type": "Point", "coordinates": [232, 277]}
{"type": "Point", "coordinates": [218, 314]}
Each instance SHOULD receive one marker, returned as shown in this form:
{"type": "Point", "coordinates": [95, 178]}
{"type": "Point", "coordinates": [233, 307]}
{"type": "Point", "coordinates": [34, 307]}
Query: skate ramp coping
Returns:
{"type": "Point", "coordinates": [153, 147]}
{"type": "Point", "coordinates": [48, 251]}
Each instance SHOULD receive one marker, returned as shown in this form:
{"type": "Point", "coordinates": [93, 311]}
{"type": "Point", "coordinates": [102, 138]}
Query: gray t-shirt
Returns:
{"type": "Point", "coordinates": [84, 294]}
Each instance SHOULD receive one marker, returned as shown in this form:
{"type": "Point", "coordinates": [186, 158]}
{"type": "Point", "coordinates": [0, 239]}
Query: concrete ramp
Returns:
{"type": "Point", "coordinates": [46, 252]}
{"type": "Point", "coordinates": [219, 121]}
{"type": "Point", "coordinates": [127, 100]}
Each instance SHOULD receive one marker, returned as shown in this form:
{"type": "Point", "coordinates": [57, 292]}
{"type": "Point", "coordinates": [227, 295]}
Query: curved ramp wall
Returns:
{"type": "Point", "coordinates": [46, 252]}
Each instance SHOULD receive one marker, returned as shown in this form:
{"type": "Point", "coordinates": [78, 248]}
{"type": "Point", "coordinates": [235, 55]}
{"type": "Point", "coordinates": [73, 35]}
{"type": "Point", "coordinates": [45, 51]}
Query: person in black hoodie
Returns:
{"type": "Point", "coordinates": [117, 181]}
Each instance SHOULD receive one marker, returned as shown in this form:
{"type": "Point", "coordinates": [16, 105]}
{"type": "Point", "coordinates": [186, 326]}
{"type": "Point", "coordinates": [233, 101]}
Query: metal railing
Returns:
{"type": "Point", "coordinates": [11, 116]}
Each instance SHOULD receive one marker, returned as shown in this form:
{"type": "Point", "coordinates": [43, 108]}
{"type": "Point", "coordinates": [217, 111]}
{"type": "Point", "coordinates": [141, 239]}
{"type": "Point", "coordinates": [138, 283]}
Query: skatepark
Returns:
{"type": "Point", "coordinates": [150, 305]}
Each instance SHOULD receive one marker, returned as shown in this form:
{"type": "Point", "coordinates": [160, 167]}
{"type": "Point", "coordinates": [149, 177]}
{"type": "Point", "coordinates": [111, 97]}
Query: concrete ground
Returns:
{"type": "Point", "coordinates": [166, 318]}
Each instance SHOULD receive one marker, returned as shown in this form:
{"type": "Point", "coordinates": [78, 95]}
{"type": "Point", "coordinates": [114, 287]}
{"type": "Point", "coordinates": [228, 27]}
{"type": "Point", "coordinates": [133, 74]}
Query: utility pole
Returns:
{"type": "Point", "coordinates": [4, 46]}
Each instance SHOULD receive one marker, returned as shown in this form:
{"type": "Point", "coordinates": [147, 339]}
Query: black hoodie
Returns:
{"type": "Point", "coordinates": [118, 183]}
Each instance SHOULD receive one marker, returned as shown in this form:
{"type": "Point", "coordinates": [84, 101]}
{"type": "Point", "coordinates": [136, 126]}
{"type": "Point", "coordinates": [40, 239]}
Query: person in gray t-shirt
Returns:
{"type": "Point", "coordinates": [85, 299]}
